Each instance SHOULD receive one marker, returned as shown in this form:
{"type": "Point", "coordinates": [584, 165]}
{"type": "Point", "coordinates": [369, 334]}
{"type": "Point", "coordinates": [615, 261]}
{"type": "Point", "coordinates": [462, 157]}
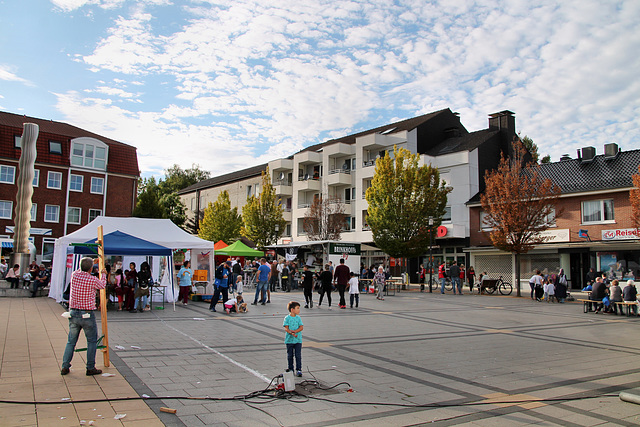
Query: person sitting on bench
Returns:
{"type": "Point", "coordinates": [40, 281]}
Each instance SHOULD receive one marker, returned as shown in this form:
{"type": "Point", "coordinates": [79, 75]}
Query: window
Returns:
{"type": "Point", "coordinates": [595, 211]}
{"type": "Point", "coordinates": [54, 181]}
{"type": "Point", "coordinates": [34, 210]}
{"type": "Point", "coordinates": [88, 155]}
{"type": "Point", "coordinates": [248, 191]}
{"type": "Point", "coordinates": [447, 214]}
{"type": "Point", "coordinates": [7, 174]}
{"type": "Point", "coordinates": [287, 230]}
{"type": "Point", "coordinates": [5, 209]}
{"type": "Point", "coordinates": [97, 185]}
{"type": "Point", "coordinates": [193, 204]}
{"type": "Point", "coordinates": [94, 213]}
{"type": "Point", "coordinates": [55, 147]}
{"type": "Point", "coordinates": [51, 213]}
{"type": "Point", "coordinates": [47, 248]}
{"type": "Point", "coordinates": [36, 177]}
{"type": "Point", "coordinates": [75, 183]}
{"type": "Point", "coordinates": [74, 215]}
{"type": "Point", "coordinates": [550, 220]}
{"type": "Point", "coordinates": [483, 225]}
{"type": "Point", "coordinates": [17, 141]}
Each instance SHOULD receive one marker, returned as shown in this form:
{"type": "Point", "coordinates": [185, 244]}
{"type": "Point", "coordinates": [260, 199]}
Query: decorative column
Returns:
{"type": "Point", "coordinates": [22, 219]}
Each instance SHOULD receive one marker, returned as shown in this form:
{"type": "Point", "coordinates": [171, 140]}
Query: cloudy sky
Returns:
{"type": "Point", "coordinates": [229, 84]}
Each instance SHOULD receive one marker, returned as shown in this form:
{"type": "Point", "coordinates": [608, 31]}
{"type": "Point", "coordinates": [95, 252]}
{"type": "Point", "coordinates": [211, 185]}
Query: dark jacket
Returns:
{"type": "Point", "coordinates": [598, 291]}
{"type": "Point", "coordinates": [629, 293]}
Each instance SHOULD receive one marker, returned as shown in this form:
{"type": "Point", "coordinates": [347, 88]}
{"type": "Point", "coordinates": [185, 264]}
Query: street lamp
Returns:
{"type": "Point", "coordinates": [276, 228]}
{"type": "Point", "coordinates": [430, 253]}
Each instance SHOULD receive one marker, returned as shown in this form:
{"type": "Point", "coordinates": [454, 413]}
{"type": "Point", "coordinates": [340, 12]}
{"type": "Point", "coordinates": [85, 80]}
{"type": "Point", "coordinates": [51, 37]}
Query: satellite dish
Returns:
{"type": "Point", "coordinates": [281, 177]}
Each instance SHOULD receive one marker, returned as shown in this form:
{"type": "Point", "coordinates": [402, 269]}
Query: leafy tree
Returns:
{"type": "Point", "coordinates": [402, 195]}
{"type": "Point", "coordinates": [148, 203]}
{"type": "Point", "coordinates": [176, 179]}
{"type": "Point", "coordinates": [220, 221]}
{"type": "Point", "coordinates": [634, 197]}
{"type": "Point", "coordinates": [518, 205]}
{"type": "Point", "coordinates": [325, 219]}
{"type": "Point", "coordinates": [160, 200]}
{"type": "Point", "coordinates": [261, 215]}
{"type": "Point", "coordinates": [533, 149]}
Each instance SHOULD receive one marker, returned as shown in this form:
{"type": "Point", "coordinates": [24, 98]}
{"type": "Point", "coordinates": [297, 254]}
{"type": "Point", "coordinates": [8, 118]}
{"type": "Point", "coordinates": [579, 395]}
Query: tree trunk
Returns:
{"type": "Point", "coordinates": [517, 274]}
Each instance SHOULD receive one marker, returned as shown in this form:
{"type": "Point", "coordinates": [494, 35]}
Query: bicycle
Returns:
{"type": "Point", "coordinates": [434, 283]}
{"type": "Point", "coordinates": [503, 287]}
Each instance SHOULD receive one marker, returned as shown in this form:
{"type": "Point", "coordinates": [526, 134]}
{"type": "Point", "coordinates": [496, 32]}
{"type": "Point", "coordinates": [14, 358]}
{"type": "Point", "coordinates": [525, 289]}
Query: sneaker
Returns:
{"type": "Point", "coordinates": [269, 302]}
{"type": "Point", "coordinates": [311, 304]}
{"type": "Point", "coordinates": [343, 307]}
{"type": "Point", "coordinates": [298, 373]}
{"type": "Point", "coordinates": [254, 303]}
{"type": "Point", "coordinates": [133, 311]}
{"type": "Point", "coordinates": [93, 371]}
{"type": "Point", "coordinates": [212, 309]}
{"type": "Point", "coordinates": [329, 307]}
{"type": "Point", "coordinates": [263, 303]}
{"type": "Point", "coordinates": [306, 306]}
{"type": "Point", "coordinates": [64, 371]}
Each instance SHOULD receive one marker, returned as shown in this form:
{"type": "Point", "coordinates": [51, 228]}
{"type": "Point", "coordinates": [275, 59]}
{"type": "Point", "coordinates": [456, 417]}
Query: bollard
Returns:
{"type": "Point", "coordinates": [629, 397]}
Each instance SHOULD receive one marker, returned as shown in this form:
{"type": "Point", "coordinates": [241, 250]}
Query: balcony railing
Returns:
{"type": "Point", "coordinates": [340, 170]}
{"type": "Point", "coordinates": [304, 205]}
{"type": "Point", "coordinates": [281, 182]}
{"type": "Point", "coordinates": [308, 177]}
{"type": "Point", "coordinates": [368, 163]}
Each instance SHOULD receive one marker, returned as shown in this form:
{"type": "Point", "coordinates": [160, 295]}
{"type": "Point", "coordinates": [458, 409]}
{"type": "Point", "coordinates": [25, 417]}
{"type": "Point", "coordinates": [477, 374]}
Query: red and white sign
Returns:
{"type": "Point", "coordinates": [620, 234]}
{"type": "Point", "coordinates": [442, 231]}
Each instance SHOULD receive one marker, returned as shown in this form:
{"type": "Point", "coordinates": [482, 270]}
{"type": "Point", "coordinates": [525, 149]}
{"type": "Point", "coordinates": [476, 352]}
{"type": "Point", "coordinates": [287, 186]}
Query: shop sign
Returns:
{"type": "Point", "coordinates": [620, 234]}
{"type": "Point", "coordinates": [344, 248]}
{"type": "Point", "coordinates": [556, 236]}
{"type": "Point", "coordinates": [442, 231]}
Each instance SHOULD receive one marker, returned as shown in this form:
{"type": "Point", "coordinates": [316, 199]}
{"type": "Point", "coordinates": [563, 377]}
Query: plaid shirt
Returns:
{"type": "Point", "coordinates": [83, 290]}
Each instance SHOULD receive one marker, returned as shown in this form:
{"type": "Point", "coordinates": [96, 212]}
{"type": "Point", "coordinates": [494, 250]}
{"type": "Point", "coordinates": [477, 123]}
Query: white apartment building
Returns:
{"type": "Point", "coordinates": [344, 167]}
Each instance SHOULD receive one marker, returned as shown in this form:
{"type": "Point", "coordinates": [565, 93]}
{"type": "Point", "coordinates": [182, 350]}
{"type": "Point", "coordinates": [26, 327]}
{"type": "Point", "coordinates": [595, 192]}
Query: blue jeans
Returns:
{"type": "Point", "coordinates": [144, 300]}
{"type": "Point", "coordinates": [261, 286]}
{"type": "Point", "coordinates": [443, 280]}
{"type": "Point", "coordinates": [455, 283]}
{"type": "Point", "coordinates": [297, 349]}
{"type": "Point", "coordinates": [76, 322]}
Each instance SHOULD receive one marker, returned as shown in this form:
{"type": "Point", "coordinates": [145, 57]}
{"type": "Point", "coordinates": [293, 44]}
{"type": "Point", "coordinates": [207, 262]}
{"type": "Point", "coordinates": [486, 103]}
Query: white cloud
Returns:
{"type": "Point", "coordinates": [274, 78]}
{"type": "Point", "coordinates": [8, 75]}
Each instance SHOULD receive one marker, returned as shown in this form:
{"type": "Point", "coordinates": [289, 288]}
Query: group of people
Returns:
{"type": "Point", "coordinates": [605, 293]}
{"type": "Point", "coordinates": [37, 277]}
{"type": "Point", "coordinates": [131, 287]}
{"type": "Point", "coordinates": [456, 273]}
{"type": "Point", "coordinates": [550, 287]}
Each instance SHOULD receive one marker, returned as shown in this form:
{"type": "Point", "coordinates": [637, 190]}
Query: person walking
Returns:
{"type": "Point", "coordinates": [222, 285]}
{"type": "Point", "coordinates": [341, 275]}
{"type": "Point", "coordinates": [442, 275]}
{"type": "Point", "coordinates": [262, 285]}
{"type": "Point", "coordinates": [354, 290]}
{"type": "Point", "coordinates": [307, 286]}
{"type": "Point", "coordinates": [82, 304]}
{"type": "Point", "coordinates": [379, 279]}
{"type": "Point", "coordinates": [454, 272]}
{"type": "Point", "coordinates": [184, 281]}
{"type": "Point", "coordinates": [325, 285]}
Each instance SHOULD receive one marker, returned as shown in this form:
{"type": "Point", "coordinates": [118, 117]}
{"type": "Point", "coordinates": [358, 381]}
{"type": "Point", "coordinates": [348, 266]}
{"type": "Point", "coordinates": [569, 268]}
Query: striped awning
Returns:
{"type": "Point", "coordinates": [7, 244]}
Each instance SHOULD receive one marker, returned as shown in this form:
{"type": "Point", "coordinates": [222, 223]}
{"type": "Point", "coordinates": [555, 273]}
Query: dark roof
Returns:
{"type": "Point", "coordinates": [601, 174]}
{"type": "Point", "coordinates": [403, 125]}
{"type": "Point", "coordinates": [226, 178]}
{"type": "Point", "coordinates": [122, 157]}
{"type": "Point", "coordinates": [465, 142]}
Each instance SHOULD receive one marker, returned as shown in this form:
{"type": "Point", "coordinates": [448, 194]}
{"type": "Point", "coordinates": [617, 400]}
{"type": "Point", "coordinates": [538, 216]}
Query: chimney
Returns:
{"type": "Point", "coordinates": [565, 157]}
{"type": "Point", "coordinates": [504, 120]}
{"type": "Point", "coordinates": [588, 154]}
{"type": "Point", "coordinates": [611, 151]}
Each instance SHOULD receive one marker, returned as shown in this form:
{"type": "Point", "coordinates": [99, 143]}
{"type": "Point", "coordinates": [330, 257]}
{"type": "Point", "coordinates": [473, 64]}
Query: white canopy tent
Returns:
{"type": "Point", "coordinates": [162, 232]}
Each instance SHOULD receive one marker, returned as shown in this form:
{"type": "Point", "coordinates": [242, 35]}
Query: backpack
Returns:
{"type": "Point", "coordinates": [285, 273]}
{"type": "Point", "coordinates": [562, 280]}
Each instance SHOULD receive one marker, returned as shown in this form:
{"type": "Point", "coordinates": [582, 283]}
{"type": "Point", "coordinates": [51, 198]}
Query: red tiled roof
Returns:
{"type": "Point", "coordinates": [122, 159]}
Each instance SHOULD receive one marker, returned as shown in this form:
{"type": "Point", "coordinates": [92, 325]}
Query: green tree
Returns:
{"type": "Point", "coordinates": [160, 199]}
{"type": "Point", "coordinates": [533, 150]}
{"type": "Point", "coordinates": [148, 203]}
{"type": "Point", "coordinates": [402, 195]}
{"type": "Point", "coordinates": [176, 178]}
{"type": "Point", "coordinates": [262, 214]}
{"type": "Point", "coordinates": [220, 221]}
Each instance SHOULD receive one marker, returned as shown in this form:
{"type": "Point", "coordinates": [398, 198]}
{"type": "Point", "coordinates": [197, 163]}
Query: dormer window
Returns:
{"type": "Point", "coordinates": [88, 153]}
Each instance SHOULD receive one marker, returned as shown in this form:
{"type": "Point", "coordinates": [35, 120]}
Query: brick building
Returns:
{"type": "Point", "coordinates": [79, 175]}
{"type": "Point", "coordinates": [594, 230]}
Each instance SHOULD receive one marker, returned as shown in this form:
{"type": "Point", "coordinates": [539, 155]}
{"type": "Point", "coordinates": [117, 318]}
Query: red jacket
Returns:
{"type": "Point", "coordinates": [442, 271]}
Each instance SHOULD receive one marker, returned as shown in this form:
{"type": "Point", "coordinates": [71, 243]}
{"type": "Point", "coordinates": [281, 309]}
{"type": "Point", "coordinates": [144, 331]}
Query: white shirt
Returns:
{"type": "Point", "coordinates": [231, 301]}
{"type": "Point", "coordinates": [239, 287]}
{"type": "Point", "coordinates": [353, 286]}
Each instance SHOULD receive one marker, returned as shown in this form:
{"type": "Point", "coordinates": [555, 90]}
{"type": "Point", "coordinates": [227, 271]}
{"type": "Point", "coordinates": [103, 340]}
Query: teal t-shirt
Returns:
{"type": "Point", "coordinates": [185, 276]}
{"type": "Point", "coordinates": [293, 322]}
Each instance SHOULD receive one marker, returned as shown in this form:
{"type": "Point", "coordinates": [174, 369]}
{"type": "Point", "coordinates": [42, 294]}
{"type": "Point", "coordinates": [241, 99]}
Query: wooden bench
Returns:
{"type": "Point", "coordinates": [628, 305]}
{"type": "Point", "coordinates": [587, 304]}
{"type": "Point", "coordinates": [487, 283]}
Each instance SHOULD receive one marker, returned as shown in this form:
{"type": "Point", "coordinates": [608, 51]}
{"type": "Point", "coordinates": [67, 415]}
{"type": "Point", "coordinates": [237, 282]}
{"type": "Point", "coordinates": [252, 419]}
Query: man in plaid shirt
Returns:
{"type": "Point", "coordinates": [82, 303]}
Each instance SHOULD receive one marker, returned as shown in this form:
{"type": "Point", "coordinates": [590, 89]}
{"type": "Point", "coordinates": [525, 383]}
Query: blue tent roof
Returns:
{"type": "Point", "coordinates": [119, 243]}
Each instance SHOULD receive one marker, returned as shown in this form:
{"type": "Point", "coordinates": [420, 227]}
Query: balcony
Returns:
{"type": "Point", "coordinates": [283, 187]}
{"type": "Point", "coordinates": [338, 177]}
{"type": "Point", "coordinates": [308, 184]}
{"type": "Point", "coordinates": [281, 165]}
{"type": "Point", "coordinates": [308, 158]}
{"type": "Point", "coordinates": [368, 163]}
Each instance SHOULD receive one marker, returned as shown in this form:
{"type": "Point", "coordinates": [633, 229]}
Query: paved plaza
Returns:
{"type": "Point", "coordinates": [412, 359]}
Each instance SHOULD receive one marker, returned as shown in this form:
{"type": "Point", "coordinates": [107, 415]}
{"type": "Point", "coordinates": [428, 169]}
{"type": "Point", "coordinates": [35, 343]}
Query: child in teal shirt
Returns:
{"type": "Point", "coordinates": [293, 338]}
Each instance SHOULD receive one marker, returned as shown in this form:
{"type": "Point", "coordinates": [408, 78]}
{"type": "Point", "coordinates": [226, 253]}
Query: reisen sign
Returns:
{"type": "Point", "coordinates": [620, 234]}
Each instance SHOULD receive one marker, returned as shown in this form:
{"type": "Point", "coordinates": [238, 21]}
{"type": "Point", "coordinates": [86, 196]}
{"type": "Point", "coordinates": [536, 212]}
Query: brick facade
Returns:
{"type": "Point", "coordinates": [115, 197]}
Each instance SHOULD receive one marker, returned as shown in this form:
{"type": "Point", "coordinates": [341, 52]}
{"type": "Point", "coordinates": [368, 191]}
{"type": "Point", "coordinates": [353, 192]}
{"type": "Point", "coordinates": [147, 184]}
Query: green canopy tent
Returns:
{"type": "Point", "coordinates": [239, 249]}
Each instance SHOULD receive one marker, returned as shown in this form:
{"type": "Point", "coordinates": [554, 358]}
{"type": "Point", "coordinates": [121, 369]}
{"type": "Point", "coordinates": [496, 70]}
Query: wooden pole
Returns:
{"type": "Point", "coordinates": [103, 300]}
